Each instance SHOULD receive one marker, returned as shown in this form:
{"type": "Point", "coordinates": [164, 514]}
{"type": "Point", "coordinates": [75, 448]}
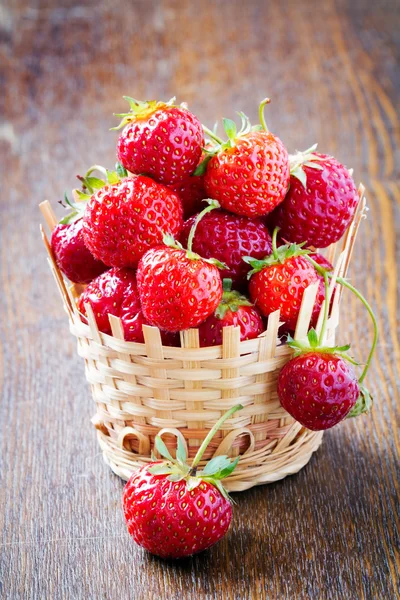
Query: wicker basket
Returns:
{"type": "Point", "coordinates": [142, 390]}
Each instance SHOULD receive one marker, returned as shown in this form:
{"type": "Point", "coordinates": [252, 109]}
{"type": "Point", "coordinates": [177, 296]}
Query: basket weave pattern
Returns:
{"type": "Point", "coordinates": [142, 390]}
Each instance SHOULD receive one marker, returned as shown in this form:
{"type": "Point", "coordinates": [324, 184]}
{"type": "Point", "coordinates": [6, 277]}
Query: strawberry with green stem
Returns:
{"type": "Point", "coordinates": [364, 402]}
{"type": "Point", "coordinates": [173, 509]}
{"type": "Point", "coordinates": [159, 139]}
{"type": "Point", "coordinates": [278, 281]}
{"type": "Point", "coordinates": [318, 387]}
{"type": "Point", "coordinates": [249, 173]}
{"type": "Point", "coordinates": [320, 203]}
{"type": "Point", "coordinates": [125, 216]}
{"type": "Point", "coordinates": [233, 310]}
{"type": "Point", "coordinates": [179, 289]}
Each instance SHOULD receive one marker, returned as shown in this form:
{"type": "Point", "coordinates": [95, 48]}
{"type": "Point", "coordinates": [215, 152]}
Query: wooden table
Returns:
{"type": "Point", "coordinates": [331, 70]}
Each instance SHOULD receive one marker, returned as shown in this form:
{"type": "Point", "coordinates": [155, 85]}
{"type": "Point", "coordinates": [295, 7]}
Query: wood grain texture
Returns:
{"type": "Point", "coordinates": [331, 69]}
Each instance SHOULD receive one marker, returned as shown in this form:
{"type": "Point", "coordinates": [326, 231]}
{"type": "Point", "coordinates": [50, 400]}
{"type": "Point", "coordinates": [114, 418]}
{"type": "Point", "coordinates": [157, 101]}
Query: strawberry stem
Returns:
{"type": "Point", "coordinates": [263, 104]}
{"type": "Point", "coordinates": [358, 294]}
{"type": "Point", "coordinates": [210, 435]}
{"type": "Point", "coordinates": [274, 248]}
{"type": "Point", "coordinates": [326, 309]}
{"type": "Point", "coordinates": [212, 204]}
{"type": "Point", "coordinates": [212, 135]}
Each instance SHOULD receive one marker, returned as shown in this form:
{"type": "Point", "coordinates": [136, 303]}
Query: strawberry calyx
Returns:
{"type": "Point", "coordinates": [231, 300]}
{"type": "Point", "coordinates": [313, 344]}
{"type": "Point", "coordinates": [177, 468]}
{"type": "Point", "coordinates": [300, 160]}
{"type": "Point", "coordinates": [363, 404]}
{"type": "Point", "coordinates": [220, 145]}
{"type": "Point", "coordinates": [140, 109]}
{"type": "Point", "coordinates": [90, 185]}
{"type": "Point", "coordinates": [279, 255]}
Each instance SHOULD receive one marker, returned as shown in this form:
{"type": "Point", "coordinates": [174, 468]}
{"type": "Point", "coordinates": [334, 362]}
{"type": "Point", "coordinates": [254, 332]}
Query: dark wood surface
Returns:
{"type": "Point", "coordinates": [331, 69]}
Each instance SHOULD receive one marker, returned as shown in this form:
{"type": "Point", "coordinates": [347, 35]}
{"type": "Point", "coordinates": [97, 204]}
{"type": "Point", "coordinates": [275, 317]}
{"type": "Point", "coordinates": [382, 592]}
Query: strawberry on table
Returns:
{"type": "Point", "coordinates": [179, 289]}
{"type": "Point", "coordinates": [160, 139]}
{"type": "Point", "coordinates": [248, 174]}
{"type": "Point", "coordinates": [174, 510]}
{"type": "Point", "coordinates": [72, 256]}
{"type": "Point", "coordinates": [234, 309]}
{"type": "Point", "coordinates": [228, 238]}
{"type": "Point", "coordinates": [320, 203]}
{"type": "Point", "coordinates": [125, 217]}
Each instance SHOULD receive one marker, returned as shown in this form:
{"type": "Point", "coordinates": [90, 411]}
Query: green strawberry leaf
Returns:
{"type": "Point", "coordinates": [216, 464]}
{"type": "Point", "coordinates": [181, 452]}
{"type": "Point", "coordinates": [230, 128]}
{"type": "Point", "coordinates": [363, 405]}
{"type": "Point", "coordinates": [94, 182]}
{"type": "Point", "coordinates": [312, 338]}
{"type": "Point", "coordinates": [227, 470]}
{"type": "Point", "coordinates": [160, 469]}
{"type": "Point", "coordinates": [162, 448]}
{"type": "Point", "coordinates": [122, 172]}
{"type": "Point", "coordinates": [202, 167]}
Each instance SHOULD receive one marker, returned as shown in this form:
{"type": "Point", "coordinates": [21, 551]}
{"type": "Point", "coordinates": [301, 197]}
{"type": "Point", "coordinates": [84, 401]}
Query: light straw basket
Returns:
{"type": "Point", "coordinates": [142, 390]}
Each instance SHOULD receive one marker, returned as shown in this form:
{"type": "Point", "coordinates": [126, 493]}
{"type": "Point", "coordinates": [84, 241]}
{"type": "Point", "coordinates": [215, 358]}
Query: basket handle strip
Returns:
{"type": "Point", "coordinates": [332, 284]}
{"type": "Point", "coordinates": [56, 273]}
{"type": "Point", "coordinates": [305, 313]}
{"type": "Point", "coordinates": [228, 440]}
{"type": "Point", "coordinates": [177, 434]}
{"type": "Point", "coordinates": [48, 214]}
{"type": "Point", "coordinates": [267, 350]}
{"type": "Point", "coordinates": [118, 333]}
{"type": "Point", "coordinates": [230, 349]}
{"type": "Point", "coordinates": [144, 442]}
{"type": "Point", "coordinates": [190, 339]}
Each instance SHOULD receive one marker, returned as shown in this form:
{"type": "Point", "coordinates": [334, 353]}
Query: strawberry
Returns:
{"type": "Point", "coordinates": [178, 289]}
{"type": "Point", "coordinates": [248, 174]}
{"type": "Point", "coordinates": [191, 191]}
{"type": "Point", "coordinates": [72, 256]}
{"type": "Point", "coordinates": [234, 309]}
{"type": "Point", "coordinates": [160, 139]}
{"type": "Point", "coordinates": [228, 238]}
{"type": "Point", "coordinates": [320, 203]}
{"type": "Point", "coordinates": [126, 217]}
{"type": "Point", "coordinates": [115, 292]}
{"type": "Point", "coordinates": [174, 510]}
{"type": "Point", "coordinates": [318, 387]}
{"type": "Point", "coordinates": [279, 280]}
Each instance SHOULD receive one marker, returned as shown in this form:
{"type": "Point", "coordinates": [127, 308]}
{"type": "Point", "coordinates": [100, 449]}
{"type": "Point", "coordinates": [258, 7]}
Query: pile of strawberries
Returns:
{"type": "Point", "coordinates": [193, 232]}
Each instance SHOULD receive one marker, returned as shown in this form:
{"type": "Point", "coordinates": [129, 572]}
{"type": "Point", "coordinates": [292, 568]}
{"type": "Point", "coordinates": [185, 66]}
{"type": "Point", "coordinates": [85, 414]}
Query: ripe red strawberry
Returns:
{"type": "Point", "coordinates": [72, 256]}
{"type": "Point", "coordinates": [124, 219]}
{"type": "Point", "coordinates": [179, 289]}
{"type": "Point", "coordinates": [115, 293]}
{"type": "Point", "coordinates": [321, 201]}
{"type": "Point", "coordinates": [279, 281]}
{"type": "Point", "coordinates": [318, 387]}
{"type": "Point", "coordinates": [234, 309]}
{"type": "Point", "coordinates": [249, 174]}
{"type": "Point", "coordinates": [174, 510]}
{"type": "Point", "coordinates": [228, 238]}
{"type": "Point", "coordinates": [191, 191]}
{"type": "Point", "coordinates": [160, 139]}
{"type": "Point", "coordinates": [177, 292]}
